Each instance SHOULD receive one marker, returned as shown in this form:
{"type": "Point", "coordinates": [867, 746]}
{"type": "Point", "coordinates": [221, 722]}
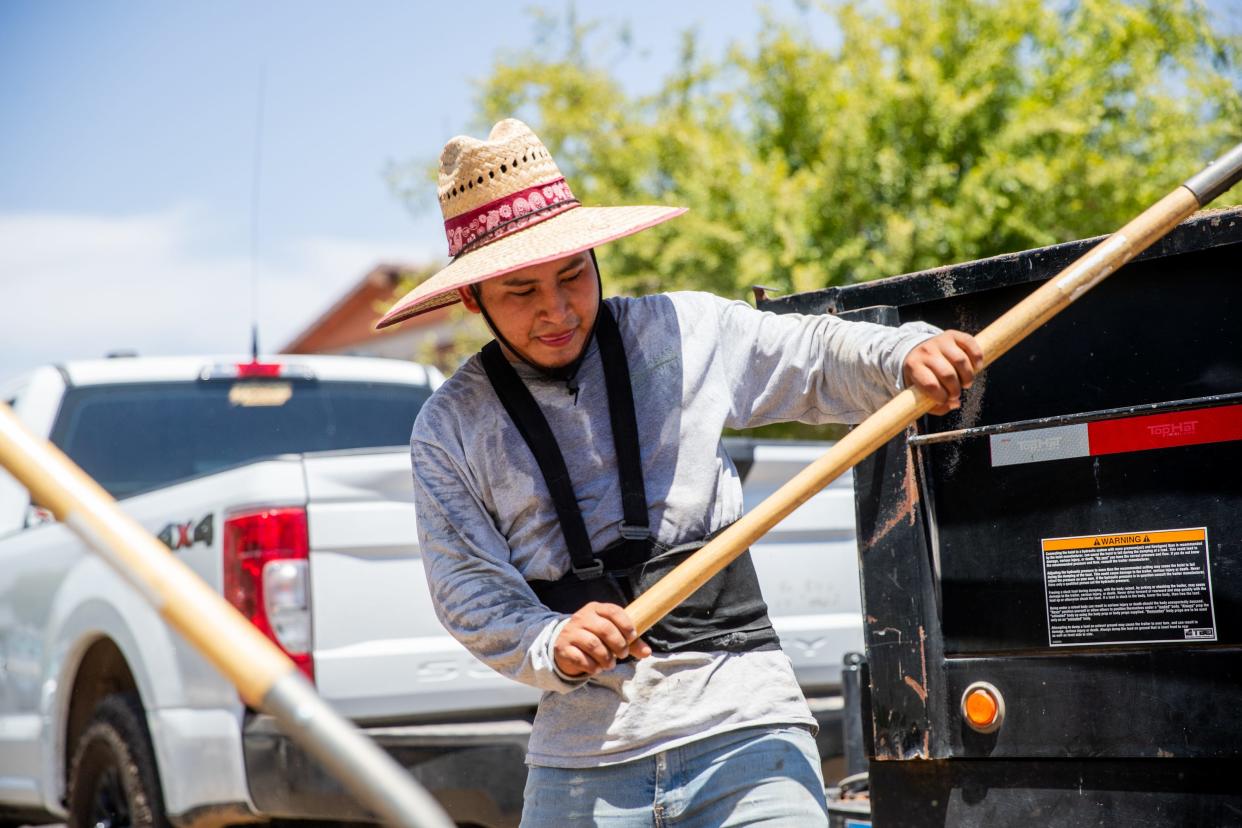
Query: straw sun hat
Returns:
{"type": "Point", "coordinates": [506, 206]}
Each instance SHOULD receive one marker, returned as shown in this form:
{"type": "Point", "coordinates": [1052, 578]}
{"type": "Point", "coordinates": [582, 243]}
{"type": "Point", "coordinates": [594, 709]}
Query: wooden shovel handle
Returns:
{"type": "Point", "coordinates": [249, 660]}
{"type": "Point", "coordinates": [905, 408]}
{"type": "Point", "coordinates": [264, 677]}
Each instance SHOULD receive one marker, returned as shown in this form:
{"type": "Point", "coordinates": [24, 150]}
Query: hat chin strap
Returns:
{"type": "Point", "coordinates": [568, 373]}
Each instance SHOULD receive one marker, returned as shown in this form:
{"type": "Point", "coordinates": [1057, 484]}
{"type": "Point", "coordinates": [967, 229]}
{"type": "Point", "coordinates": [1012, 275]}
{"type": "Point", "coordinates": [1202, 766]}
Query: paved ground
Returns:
{"type": "Point", "coordinates": [834, 770]}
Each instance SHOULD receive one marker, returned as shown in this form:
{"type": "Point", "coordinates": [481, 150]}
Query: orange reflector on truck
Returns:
{"type": "Point", "coordinates": [980, 708]}
{"type": "Point", "coordinates": [983, 707]}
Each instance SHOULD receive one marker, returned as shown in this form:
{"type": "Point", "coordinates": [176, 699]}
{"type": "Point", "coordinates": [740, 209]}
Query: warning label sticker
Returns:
{"type": "Point", "coordinates": [1129, 588]}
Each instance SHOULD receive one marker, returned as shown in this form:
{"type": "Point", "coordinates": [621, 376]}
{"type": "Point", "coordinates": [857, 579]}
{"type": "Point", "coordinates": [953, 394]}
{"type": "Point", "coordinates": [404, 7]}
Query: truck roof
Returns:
{"type": "Point", "coordinates": [187, 368]}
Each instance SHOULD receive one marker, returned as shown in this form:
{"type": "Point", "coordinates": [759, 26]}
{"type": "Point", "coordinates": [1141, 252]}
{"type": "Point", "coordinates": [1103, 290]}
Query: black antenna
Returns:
{"type": "Point", "coordinates": [256, 177]}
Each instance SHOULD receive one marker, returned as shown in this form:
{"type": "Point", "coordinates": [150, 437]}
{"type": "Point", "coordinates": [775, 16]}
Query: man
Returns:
{"type": "Point", "coordinates": [577, 459]}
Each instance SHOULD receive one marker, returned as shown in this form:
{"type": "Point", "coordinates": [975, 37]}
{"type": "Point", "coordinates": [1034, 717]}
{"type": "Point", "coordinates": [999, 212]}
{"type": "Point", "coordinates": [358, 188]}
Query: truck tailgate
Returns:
{"type": "Point", "coordinates": [380, 653]}
{"type": "Point", "coordinates": [808, 565]}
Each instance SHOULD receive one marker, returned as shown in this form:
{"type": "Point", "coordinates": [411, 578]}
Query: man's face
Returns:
{"type": "Point", "coordinates": [545, 311]}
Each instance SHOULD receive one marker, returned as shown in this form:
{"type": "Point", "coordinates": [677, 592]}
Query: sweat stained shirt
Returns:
{"type": "Point", "coordinates": [486, 523]}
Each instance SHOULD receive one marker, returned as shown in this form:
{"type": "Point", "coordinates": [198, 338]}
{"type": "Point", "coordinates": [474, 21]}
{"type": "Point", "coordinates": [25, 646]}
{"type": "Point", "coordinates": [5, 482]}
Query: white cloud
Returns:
{"type": "Point", "coordinates": [79, 286]}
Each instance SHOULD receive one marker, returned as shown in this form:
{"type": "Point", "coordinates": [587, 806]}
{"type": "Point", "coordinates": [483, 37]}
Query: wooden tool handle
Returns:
{"type": "Point", "coordinates": [264, 677]}
{"type": "Point", "coordinates": [249, 660]}
{"type": "Point", "coordinates": [909, 405]}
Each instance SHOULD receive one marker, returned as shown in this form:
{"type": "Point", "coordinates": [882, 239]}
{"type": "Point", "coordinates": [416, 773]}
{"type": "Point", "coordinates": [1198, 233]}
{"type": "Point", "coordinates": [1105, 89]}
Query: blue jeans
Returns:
{"type": "Point", "coordinates": [755, 776]}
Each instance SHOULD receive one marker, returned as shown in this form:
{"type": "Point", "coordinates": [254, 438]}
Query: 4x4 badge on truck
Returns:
{"type": "Point", "coordinates": [181, 536]}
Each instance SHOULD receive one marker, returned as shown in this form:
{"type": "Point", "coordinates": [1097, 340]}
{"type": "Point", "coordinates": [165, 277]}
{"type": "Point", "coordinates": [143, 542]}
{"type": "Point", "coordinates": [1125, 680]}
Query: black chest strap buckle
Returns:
{"type": "Point", "coordinates": [588, 573]}
{"type": "Point", "coordinates": [639, 533]}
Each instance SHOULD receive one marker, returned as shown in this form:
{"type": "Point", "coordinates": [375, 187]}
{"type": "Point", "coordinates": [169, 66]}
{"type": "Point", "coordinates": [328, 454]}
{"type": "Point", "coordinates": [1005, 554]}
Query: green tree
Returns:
{"type": "Point", "coordinates": [932, 133]}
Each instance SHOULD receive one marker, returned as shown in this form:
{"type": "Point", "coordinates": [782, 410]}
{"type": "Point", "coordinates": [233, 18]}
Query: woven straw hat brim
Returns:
{"type": "Point", "coordinates": [570, 232]}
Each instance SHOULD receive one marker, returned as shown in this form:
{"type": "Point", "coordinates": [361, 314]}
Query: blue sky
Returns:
{"type": "Point", "coordinates": [128, 133]}
{"type": "Point", "coordinates": [129, 138]}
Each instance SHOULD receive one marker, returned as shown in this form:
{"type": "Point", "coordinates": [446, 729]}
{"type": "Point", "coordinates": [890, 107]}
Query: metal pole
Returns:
{"type": "Point", "coordinates": [910, 404]}
{"type": "Point", "coordinates": [854, 677]}
{"type": "Point", "coordinates": [264, 677]}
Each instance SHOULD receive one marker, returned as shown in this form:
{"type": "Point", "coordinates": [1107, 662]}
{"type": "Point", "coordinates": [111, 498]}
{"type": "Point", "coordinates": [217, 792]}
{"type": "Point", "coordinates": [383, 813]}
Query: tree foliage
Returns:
{"type": "Point", "coordinates": [931, 133]}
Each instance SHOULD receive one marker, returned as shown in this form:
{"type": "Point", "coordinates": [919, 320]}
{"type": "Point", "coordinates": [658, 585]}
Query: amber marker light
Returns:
{"type": "Point", "coordinates": [983, 707]}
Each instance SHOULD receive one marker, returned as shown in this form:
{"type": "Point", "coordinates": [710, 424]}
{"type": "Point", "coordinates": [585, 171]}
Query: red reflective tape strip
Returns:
{"type": "Point", "coordinates": [1157, 431]}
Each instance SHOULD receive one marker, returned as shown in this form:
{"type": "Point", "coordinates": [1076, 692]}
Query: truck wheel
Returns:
{"type": "Point", "coordinates": [112, 778]}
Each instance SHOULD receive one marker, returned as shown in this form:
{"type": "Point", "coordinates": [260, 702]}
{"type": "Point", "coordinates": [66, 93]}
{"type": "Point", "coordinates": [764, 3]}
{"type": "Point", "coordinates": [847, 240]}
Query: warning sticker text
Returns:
{"type": "Point", "coordinates": [1129, 587]}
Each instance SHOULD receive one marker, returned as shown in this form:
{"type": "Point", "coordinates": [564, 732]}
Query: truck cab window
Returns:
{"type": "Point", "coordinates": [136, 437]}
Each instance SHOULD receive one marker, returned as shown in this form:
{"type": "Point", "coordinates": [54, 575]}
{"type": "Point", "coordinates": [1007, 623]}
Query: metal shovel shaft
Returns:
{"type": "Point", "coordinates": [264, 677]}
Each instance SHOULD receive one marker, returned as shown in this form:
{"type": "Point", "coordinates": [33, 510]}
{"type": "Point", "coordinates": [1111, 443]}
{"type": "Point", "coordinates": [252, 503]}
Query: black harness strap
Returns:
{"type": "Point", "coordinates": [525, 413]}
{"type": "Point", "coordinates": [534, 428]}
{"type": "Point", "coordinates": [635, 525]}
{"type": "Point", "coordinates": [727, 613]}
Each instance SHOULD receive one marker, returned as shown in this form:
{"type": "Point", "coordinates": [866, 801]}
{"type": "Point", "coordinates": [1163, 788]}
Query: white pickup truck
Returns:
{"type": "Point", "coordinates": [286, 485]}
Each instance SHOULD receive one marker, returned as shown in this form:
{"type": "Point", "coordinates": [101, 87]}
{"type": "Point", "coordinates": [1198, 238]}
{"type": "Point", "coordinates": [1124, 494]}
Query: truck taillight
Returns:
{"type": "Point", "coordinates": [258, 369]}
{"type": "Point", "coordinates": [267, 577]}
{"type": "Point", "coordinates": [254, 370]}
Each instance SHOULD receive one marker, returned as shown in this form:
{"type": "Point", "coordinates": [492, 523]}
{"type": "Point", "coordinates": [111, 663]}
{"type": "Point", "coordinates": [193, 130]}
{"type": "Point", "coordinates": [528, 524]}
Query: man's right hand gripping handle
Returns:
{"type": "Point", "coordinates": [594, 638]}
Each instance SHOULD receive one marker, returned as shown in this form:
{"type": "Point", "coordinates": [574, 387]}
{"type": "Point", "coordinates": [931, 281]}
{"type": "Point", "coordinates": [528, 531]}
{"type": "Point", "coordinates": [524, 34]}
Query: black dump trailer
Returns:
{"type": "Point", "coordinates": [1052, 576]}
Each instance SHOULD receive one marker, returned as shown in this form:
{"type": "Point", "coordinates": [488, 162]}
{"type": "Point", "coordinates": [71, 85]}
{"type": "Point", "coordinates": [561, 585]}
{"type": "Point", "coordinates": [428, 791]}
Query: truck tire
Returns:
{"type": "Point", "coordinates": [112, 779]}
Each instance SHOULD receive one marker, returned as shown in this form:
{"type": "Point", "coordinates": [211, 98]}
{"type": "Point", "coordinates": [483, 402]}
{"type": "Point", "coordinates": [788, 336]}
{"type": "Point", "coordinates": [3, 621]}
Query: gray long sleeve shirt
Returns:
{"type": "Point", "coordinates": [486, 523]}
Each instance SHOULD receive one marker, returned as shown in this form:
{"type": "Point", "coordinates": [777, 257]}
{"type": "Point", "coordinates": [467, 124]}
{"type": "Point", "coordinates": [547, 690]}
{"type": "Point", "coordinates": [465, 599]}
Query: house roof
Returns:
{"type": "Point", "coordinates": [351, 320]}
